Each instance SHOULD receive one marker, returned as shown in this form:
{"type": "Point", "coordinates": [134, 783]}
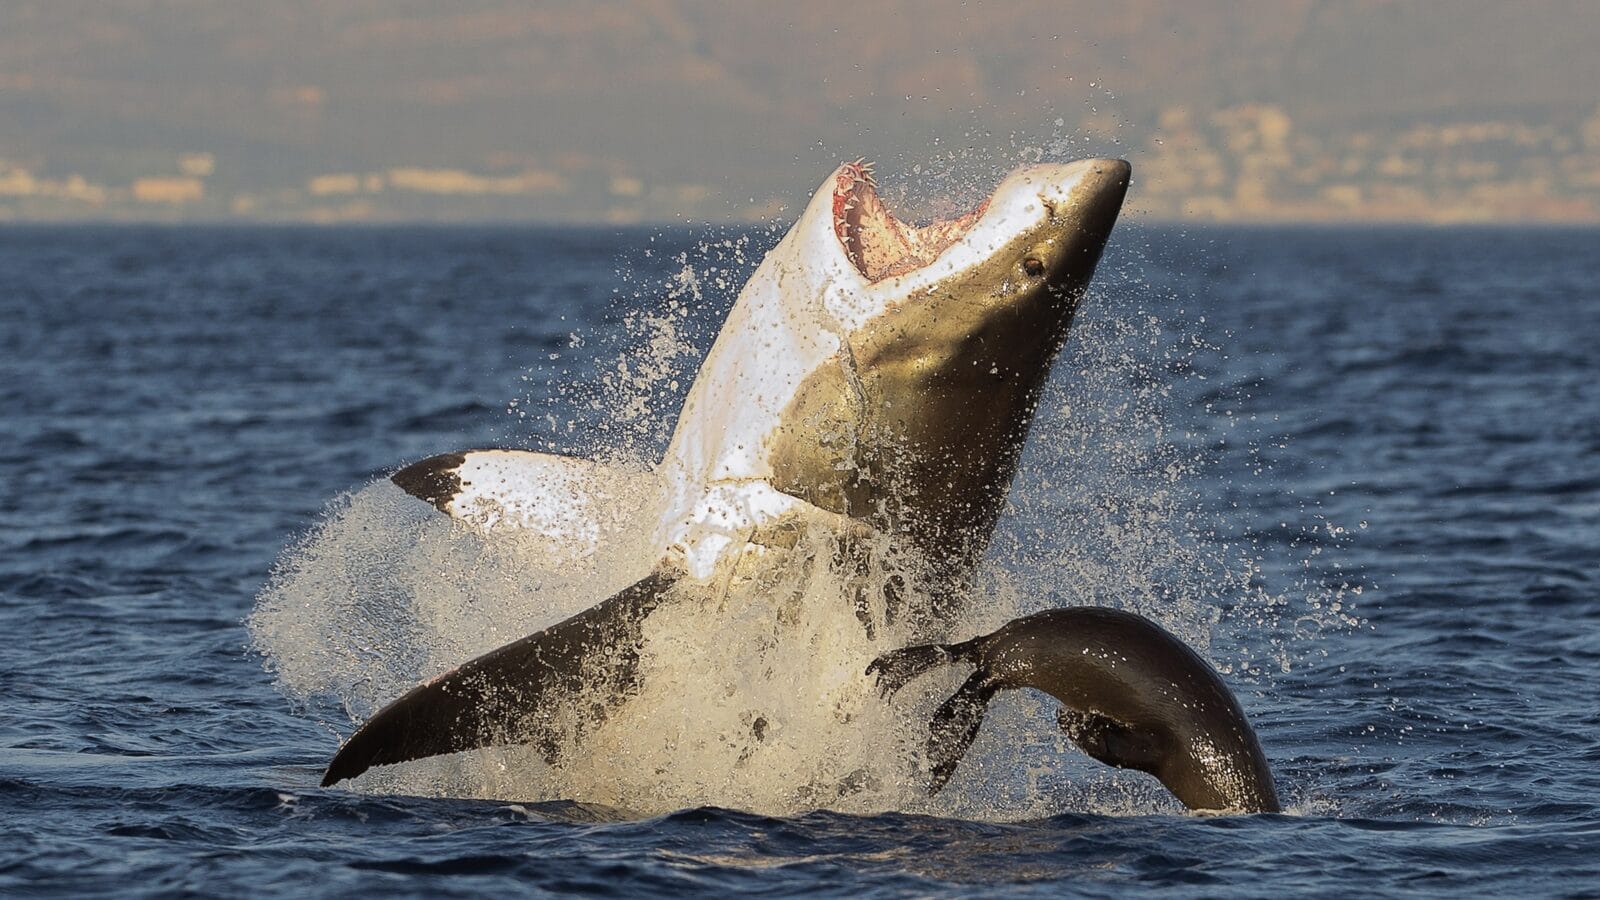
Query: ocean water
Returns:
{"type": "Point", "coordinates": [1358, 469]}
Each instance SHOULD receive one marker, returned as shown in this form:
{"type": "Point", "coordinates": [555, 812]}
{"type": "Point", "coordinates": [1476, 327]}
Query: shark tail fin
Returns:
{"type": "Point", "coordinates": [955, 726]}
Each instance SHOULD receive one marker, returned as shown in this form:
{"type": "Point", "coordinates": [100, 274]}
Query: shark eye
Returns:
{"type": "Point", "coordinates": [1033, 266]}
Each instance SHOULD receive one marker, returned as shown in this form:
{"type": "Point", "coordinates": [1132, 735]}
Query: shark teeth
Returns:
{"type": "Point", "coordinates": [878, 244]}
{"type": "Point", "coordinates": [861, 172]}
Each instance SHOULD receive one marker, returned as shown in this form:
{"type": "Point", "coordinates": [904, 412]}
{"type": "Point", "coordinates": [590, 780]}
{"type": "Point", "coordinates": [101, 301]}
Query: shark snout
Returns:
{"type": "Point", "coordinates": [1071, 206]}
{"type": "Point", "coordinates": [1055, 219]}
{"type": "Point", "coordinates": [1087, 193]}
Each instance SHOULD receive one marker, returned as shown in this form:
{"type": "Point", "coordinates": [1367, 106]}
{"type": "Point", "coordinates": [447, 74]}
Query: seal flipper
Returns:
{"type": "Point", "coordinates": [955, 726]}
{"type": "Point", "coordinates": [897, 668]}
{"type": "Point", "coordinates": [956, 722]}
{"type": "Point", "coordinates": [1108, 741]}
{"type": "Point", "coordinates": [506, 695]}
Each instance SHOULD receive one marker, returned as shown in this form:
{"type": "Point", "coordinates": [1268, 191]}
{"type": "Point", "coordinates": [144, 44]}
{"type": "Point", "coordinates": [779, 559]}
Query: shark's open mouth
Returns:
{"type": "Point", "coordinates": [880, 245]}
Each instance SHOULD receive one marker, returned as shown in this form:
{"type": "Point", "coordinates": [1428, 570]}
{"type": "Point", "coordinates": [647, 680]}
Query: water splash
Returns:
{"type": "Point", "coordinates": [754, 697]}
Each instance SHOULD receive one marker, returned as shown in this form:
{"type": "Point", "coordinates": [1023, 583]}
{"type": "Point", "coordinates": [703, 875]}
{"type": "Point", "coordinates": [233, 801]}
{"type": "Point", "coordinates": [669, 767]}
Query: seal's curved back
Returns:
{"type": "Point", "coordinates": [1133, 696]}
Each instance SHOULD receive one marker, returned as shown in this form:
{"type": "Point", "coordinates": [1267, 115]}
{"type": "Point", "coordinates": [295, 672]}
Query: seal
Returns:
{"type": "Point", "coordinates": [875, 379]}
{"type": "Point", "coordinates": [1132, 696]}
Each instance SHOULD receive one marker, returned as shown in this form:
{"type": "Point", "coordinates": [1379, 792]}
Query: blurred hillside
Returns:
{"type": "Point", "coordinates": [578, 110]}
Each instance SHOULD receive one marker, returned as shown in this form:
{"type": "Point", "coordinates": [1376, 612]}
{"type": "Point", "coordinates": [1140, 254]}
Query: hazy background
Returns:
{"type": "Point", "coordinates": [664, 110]}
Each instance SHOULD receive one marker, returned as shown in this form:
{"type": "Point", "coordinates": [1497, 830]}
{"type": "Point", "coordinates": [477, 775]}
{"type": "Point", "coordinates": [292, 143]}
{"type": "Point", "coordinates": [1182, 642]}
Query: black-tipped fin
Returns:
{"type": "Point", "coordinates": [955, 726]}
{"type": "Point", "coordinates": [558, 497]}
{"type": "Point", "coordinates": [433, 480]}
{"type": "Point", "coordinates": [513, 695]}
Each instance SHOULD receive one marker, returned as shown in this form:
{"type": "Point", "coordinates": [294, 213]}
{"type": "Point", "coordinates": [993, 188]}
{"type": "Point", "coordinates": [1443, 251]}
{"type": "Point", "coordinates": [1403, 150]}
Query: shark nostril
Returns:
{"type": "Point", "coordinates": [1034, 266]}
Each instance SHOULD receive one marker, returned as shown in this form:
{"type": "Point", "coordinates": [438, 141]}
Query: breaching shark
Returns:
{"type": "Point", "coordinates": [874, 378]}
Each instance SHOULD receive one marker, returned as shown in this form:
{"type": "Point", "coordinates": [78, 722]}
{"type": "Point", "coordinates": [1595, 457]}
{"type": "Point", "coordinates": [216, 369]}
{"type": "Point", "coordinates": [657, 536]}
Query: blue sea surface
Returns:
{"type": "Point", "coordinates": [1405, 422]}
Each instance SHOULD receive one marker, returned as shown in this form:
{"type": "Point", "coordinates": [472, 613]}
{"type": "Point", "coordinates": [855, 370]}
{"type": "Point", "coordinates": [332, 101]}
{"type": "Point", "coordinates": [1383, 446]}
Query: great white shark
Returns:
{"type": "Point", "coordinates": [874, 379]}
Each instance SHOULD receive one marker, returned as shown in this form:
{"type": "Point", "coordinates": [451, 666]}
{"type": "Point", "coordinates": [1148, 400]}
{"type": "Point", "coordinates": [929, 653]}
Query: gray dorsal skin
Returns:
{"type": "Point", "coordinates": [1132, 696]}
{"type": "Point", "coordinates": [859, 381]}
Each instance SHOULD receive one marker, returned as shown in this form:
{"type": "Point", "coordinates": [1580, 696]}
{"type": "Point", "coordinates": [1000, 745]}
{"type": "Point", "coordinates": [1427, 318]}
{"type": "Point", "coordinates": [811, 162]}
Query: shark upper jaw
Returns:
{"type": "Point", "coordinates": [879, 259]}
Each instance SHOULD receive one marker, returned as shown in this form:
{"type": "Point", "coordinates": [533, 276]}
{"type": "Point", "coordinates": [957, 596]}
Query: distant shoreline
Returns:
{"type": "Point", "coordinates": [1133, 220]}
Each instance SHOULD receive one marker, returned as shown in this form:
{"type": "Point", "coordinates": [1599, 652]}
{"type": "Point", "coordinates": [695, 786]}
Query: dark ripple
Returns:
{"type": "Point", "coordinates": [177, 402]}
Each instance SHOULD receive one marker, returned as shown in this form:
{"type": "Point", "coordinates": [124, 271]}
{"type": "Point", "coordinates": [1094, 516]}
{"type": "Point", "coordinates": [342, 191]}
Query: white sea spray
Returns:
{"type": "Point", "coordinates": [755, 696]}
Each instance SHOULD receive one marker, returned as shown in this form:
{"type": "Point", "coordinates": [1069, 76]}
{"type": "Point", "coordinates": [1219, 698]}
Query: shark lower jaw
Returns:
{"type": "Point", "coordinates": [1080, 198]}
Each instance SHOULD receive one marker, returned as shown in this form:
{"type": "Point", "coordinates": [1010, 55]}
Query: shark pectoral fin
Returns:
{"type": "Point", "coordinates": [1111, 742]}
{"type": "Point", "coordinates": [571, 502]}
{"type": "Point", "coordinates": [955, 726]}
{"type": "Point", "coordinates": [515, 694]}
